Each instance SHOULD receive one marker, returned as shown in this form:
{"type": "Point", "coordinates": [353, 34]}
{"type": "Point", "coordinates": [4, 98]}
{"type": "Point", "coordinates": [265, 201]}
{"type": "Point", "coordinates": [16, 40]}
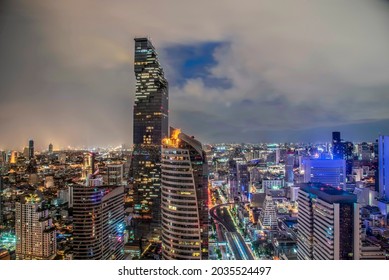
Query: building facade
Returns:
{"type": "Point", "coordinates": [150, 127]}
{"type": "Point", "coordinates": [184, 198]}
{"type": "Point", "coordinates": [35, 232]}
{"type": "Point", "coordinates": [98, 221]}
{"type": "Point", "coordinates": [329, 224]}
{"type": "Point", "coordinates": [326, 171]}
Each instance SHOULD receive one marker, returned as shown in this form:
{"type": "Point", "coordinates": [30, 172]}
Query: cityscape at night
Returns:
{"type": "Point", "coordinates": [256, 132]}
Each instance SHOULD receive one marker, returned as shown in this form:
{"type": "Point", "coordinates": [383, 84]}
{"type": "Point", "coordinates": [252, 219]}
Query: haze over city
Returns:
{"type": "Point", "coordinates": [237, 71]}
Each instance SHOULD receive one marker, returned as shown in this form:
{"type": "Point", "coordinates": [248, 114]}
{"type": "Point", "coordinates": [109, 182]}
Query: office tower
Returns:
{"type": "Point", "coordinates": [336, 137]}
{"type": "Point", "coordinates": [31, 149]}
{"type": "Point", "coordinates": [150, 127]}
{"type": "Point", "coordinates": [184, 187]}
{"type": "Point", "coordinates": [383, 166]}
{"type": "Point", "coordinates": [243, 176]}
{"type": "Point", "coordinates": [50, 148]}
{"type": "Point", "coordinates": [337, 146]}
{"type": "Point", "coordinates": [329, 226]}
{"type": "Point", "coordinates": [35, 232]}
{"type": "Point", "coordinates": [98, 221]}
{"type": "Point", "coordinates": [115, 174]}
{"type": "Point", "coordinates": [289, 175]}
{"type": "Point", "coordinates": [326, 171]}
{"type": "Point", "coordinates": [89, 165]}
{"type": "Point", "coordinates": [13, 157]}
{"type": "Point", "coordinates": [233, 179]}
{"type": "Point", "coordinates": [268, 216]}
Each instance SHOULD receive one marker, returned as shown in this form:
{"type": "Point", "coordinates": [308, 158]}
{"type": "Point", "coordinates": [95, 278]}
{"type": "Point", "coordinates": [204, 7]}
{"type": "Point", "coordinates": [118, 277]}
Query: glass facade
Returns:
{"type": "Point", "coordinates": [150, 127]}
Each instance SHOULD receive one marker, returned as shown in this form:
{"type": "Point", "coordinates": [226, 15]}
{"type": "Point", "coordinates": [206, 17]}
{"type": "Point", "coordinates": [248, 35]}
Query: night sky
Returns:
{"type": "Point", "coordinates": [239, 71]}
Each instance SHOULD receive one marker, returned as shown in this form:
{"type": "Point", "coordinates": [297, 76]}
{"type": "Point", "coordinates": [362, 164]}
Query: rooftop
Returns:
{"type": "Point", "coordinates": [329, 194]}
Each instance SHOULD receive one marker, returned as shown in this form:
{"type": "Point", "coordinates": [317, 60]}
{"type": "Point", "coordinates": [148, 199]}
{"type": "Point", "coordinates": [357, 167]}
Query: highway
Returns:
{"type": "Point", "coordinates": [235, 240]}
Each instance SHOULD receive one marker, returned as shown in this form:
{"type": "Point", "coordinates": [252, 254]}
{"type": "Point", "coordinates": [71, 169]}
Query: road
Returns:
{"type": "Point", "coordinates": [237, 244]}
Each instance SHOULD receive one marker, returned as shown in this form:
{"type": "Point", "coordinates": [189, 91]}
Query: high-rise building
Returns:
{"type": "Point", "coordinates": [243, 179]}
{"type": "Point", "coordinates": [233, 179]}
{"type": "Point", "coordinates": [89, 165]}
{"type": "Point", "coordinates": [50, 148]}
{"type": "Point", "coordinates": [150, 127]}
{"type": "Point", "coordinates": [115, 174]}
{"type": "Point", "coordinates": [326, 171]}
{"type": "Point", "coordinates": [31, 149]}
{"type": "Point", "coordinates": [383, 166]}
{"type": "Point", "coordinates": [268, 216]}
{"type": "Point", "coordinates": [98, 221]}
{"type": "Point", "coordinates": [329, 226]}
{"type": "Point", "coordinates": [343, 150]}
{"type": "Point", "coordinates": [289, 174]}
{"type": "Point", "coordinates": [184, 198]}
{"type": "Point", "coordinates": [35, 232]}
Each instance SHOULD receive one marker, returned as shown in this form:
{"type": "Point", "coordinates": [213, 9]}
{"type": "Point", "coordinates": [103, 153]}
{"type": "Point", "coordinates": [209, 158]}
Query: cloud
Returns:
{"type": "Point", "coordinates": [274, 69]}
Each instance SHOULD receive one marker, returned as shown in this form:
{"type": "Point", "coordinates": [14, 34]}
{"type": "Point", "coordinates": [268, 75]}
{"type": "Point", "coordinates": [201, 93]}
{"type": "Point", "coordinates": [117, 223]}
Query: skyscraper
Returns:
{"type": "Point", "coordinates": [383, 166]}
{"type": "Point", "coordinates": [326, 171]}
{"type": "Point", "coordinates": [31, 149]}
{"type": "Point", "coordinates": [115, 174]}
{"type": "Point", "coordinates": [35, 232]}
{"type": "Point", "coordinates": [329, 226]}
{"type": "Point", "coordinates": [289, 175]}
{"type": "Point", "coordinates": [89, 165]}
{"type": "Point", "coordinates": [150, 127]}
{"type": "Point", "coordinates": [184, 198]}
{"type": "Point", "coordinates": [98, 221]}
{"type": "Point", "coordinates": [50, 148]}
{"type": "Point", "coordinates": [268, 216]}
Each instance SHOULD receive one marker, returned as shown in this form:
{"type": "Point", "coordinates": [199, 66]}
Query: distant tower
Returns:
{"type": "Point", "coordinates": [184, 198]}
{"type": "Point", "coordinates": [35, 232]}
{"type": "Point", "coordinates": [289, 175]}
{"type": "Point", "coordinates": [329, 226]}
{"type": "Point", "coordinates": [31, 149]}
{"type": "Point", "coordinates": [89, 165]}
{"type": "Point", "coordinates": [50, 148]}
{"type": "Point", "coordinates": [383, 166]}
{"type": "Point", "coordinates": [150, 127]}
{"type": "Point", "coordinates": [336, 137]}
{"type": "Point", "coordinates": [98, 221]}
{"type": "Point", "coordinates": [14, 155]}
{"type": "Point", "coordinates": [268, 216]}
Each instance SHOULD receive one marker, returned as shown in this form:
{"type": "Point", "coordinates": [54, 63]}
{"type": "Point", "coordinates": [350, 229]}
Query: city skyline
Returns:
{"type": "Point", "coordinates": [255, 80]}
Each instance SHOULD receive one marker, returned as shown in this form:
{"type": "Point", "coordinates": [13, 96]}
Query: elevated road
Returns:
{"type": "Point", "coordinates": [234, 239]}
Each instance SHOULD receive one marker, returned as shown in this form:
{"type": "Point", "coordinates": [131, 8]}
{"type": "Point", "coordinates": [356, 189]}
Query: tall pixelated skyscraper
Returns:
{"type": "Point", "coordinates": [184, 198]}
{"type": "Point", "coordinates": [31, 149]}
{"type": "Point", "coordinates": [329, 225]}
{"type": "Point", "coordinates": [35, 231]}
{"type": "Point", "coordinates": [98, 221]}
{"type": "Point", "coordinates": [150, 127]}
{"type": "Point", "coordinates": [50, 148]}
